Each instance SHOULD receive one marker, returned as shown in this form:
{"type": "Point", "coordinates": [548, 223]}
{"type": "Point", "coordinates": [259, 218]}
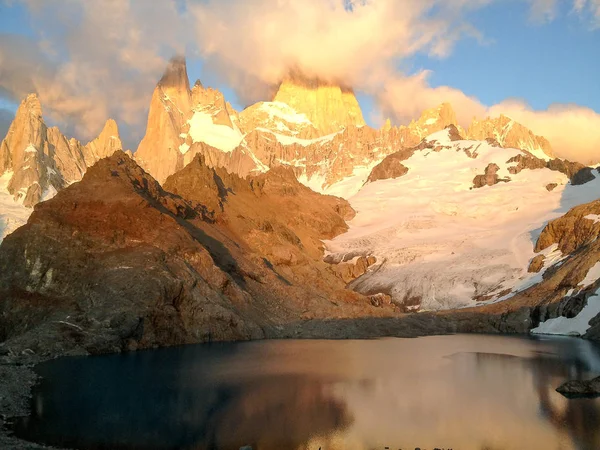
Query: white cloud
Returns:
{"type": "Point", "coordinates": [99, 58]}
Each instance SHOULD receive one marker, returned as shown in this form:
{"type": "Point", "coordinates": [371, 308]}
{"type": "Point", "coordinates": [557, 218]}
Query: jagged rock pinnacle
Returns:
{"type": "Point", "coordinates": [329, 107]}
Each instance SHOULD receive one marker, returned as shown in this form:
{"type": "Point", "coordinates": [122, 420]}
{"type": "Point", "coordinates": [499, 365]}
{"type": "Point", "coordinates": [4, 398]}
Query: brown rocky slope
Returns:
{"type": "Point", "coordinates": [41, 160]}
{"type": "Point", "coordinates": [116, 262]}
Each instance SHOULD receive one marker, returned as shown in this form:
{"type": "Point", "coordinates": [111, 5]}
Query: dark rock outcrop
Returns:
{"type": "Point", "coordinates": [391, 166]}
{"type": "Point", "coordinates": [576, 172]}
{"type": "Point", "coordinates": [489, 178]}
{"type": "Point", "coordinates": [580, 388]}
{"type": "Point", "coordinates": [582, 176]}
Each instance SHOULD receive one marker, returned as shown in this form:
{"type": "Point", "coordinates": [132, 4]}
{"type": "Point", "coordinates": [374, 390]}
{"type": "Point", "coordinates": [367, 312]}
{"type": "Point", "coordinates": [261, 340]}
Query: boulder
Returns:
{"type": "Point", "coordinates": [536, 264]}
{"type": "Point", "coordinates": [580, 388]}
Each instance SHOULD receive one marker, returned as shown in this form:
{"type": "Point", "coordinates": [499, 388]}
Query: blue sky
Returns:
{"type": "Point", "coordinates": [518, 56]}
{"type": "Point", "coordinates": [541, 63]}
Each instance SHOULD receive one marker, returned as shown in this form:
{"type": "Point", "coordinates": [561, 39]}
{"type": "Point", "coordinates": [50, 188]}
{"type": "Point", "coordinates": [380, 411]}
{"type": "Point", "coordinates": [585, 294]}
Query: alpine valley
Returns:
{"type": "Point", "coordinates": [291, 218]}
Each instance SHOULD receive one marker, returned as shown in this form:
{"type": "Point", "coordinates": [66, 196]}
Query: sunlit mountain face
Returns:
{"type": "Point", "coordinates": [187, 173]}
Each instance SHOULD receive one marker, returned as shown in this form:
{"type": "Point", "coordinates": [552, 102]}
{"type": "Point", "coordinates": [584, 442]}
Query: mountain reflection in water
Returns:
{"type": "Point", "coordinates": [460, 392]}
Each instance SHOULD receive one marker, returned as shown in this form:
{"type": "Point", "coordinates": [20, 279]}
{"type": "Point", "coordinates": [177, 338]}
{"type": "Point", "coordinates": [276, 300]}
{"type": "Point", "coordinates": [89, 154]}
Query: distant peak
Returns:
{"type": "Point", "coordinates": [442, 116]}
{"type": "Point", "coordinates": [110, 127]}
{"type": "Point", "coordinates": [175, 74]}
{"type": "Point", "coordinates": [31, 104]}
{"type": "Point", "coordinates": [387, 126]}
{"type": "Point", "coordinates": [299, 79]}
{"type": "Point", "coordinates": [330, 106]}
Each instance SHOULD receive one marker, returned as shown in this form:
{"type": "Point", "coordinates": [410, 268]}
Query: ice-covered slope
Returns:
{"type": "Point", "coordinates": [442, 243]}
{"type": "Point", "coordinates": [12, 214]}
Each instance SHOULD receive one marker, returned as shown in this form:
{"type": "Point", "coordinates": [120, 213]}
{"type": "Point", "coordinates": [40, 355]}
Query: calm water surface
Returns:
{"type": "Point", "coordinates": [460, 392]}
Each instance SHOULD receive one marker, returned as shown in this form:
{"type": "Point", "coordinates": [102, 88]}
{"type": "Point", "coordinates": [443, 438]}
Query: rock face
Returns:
{"type": "Point", "coordinates": [580, 388]}
{"type": "Point", "coordinates": [434, 120]}
{"type": "Point", "coordinates": [170, 109]}
{"type": "Point", "coordinates": [509, 133]}
{"type": "Point", "coordinates": [489, 178]}
{"type": "Point", "coordinates": [104, 145]}
{"type": "Point", "coordinates": [314, 127]}
{"type": "Point", "coordinates": [579, 226]}
{"type": "Point", "coordinates": [391, 166]}
{"type": "Point", "coordinates": [568, 285]}
{"type": "Point", "coordinates": [251, 208]}
{"type": "Point", "coordinates": [115, 262]}
{"type": "Point", "coordinates": [41, 159]}
{"type": "Point", "coordinates": [330, 108]}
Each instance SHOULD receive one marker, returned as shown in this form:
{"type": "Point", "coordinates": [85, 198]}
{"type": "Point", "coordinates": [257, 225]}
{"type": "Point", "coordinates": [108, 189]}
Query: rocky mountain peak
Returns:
{"type": "Point", "coordinates": [110, 128]}
{"type": "Point", "coordinates": [31, 105]}
{"type": "Point", "coordinates": [175, 75]}
{"type": "Point", "coordinates": [330, 107]}
{"type": "Point", "coordinates": [170, 109]}
{"type": "Point", "coordinates": [211, 101]}
{"type": "Point", "coordinates": [387, 126]}
{"type": "Point", "coordinates": [434, 119]}
{"type": "Point", "coordinates": [511, 134]}
{"type": "Point", "coordinates": [107, 142]}
{"type": "Point", "coordinates": [40, 160]}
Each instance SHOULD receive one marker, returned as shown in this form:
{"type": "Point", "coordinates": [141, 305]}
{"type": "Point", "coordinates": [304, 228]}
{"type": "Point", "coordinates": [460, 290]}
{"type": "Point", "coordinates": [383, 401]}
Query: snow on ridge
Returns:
{"type": "Point", "coordinates": [441, 137]}
{"type": "Point", "coordinates": [594, 217]}
{"type": "Point", "coordinates": [183, 148]}
{"type": "Point", "coordinates": [591, 276]}
{"type": "Point", "coordinates": [285, 112]}
{"type": "Point", "coordinates": [222, 137]}
{"type": "Point", "coordinates": [290, 140]}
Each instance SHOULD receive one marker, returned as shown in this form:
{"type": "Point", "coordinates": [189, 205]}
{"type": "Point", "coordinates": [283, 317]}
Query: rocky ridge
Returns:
{"type": "Point", "coordinates": [510, 134]}
{"type": "Point", "coordinates": [312, 126]}
{"type": "Point", "coordinates": [42, 160]}
{"type": "Point", "coordinates": [116, 262]}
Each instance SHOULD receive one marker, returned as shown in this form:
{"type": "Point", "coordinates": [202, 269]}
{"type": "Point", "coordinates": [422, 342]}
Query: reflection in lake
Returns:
{"type": "Point", "coordinates": [461, 392]}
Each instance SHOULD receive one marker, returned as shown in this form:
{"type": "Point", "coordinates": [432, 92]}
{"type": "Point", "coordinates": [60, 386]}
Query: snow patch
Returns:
{"type": "Point", "coordinates": [594, 217]}
{"type": "Point", "coordinates": [443, 240]}
{"type": "Point", "coordinates": [285, 112]}
{"type": "Point", "coordinates": [202, 129]}
{"type": "Point", "coordinates": [316, 182]}
{"type": "Point", "coordinates": [290, 140]}
{"type": "Point", "coordinates": [48, 193]}
{"type": "Point", "coordinates": [183, 148]}
{"type": "Point", "coordinates": [12, 213]}
{"type": "Point", "coordinates": [592, 275]}
{"type": "Point", "coordinates": [575, 326]}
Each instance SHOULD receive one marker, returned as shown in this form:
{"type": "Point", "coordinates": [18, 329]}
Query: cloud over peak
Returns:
{"type": "Point", "coordinates": [93, 59]}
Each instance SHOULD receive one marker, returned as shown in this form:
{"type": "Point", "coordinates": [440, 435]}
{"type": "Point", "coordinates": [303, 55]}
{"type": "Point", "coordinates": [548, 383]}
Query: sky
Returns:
{"type": "Point", "coordinates": [535, 60]}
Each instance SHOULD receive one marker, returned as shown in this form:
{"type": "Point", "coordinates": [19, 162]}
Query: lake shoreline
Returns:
{"type": "Point", "coordinates": [19, 378]}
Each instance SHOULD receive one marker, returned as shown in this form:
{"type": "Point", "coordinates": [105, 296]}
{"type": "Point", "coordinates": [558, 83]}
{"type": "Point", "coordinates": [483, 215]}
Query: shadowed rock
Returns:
{"type": "Point", "coordinates": [580, 388]}
{"type": "Point", "coordinates": [489, 178]}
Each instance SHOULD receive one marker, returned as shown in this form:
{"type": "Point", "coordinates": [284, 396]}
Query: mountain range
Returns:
{"type": "Point", "coordinates": [289, 218]}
